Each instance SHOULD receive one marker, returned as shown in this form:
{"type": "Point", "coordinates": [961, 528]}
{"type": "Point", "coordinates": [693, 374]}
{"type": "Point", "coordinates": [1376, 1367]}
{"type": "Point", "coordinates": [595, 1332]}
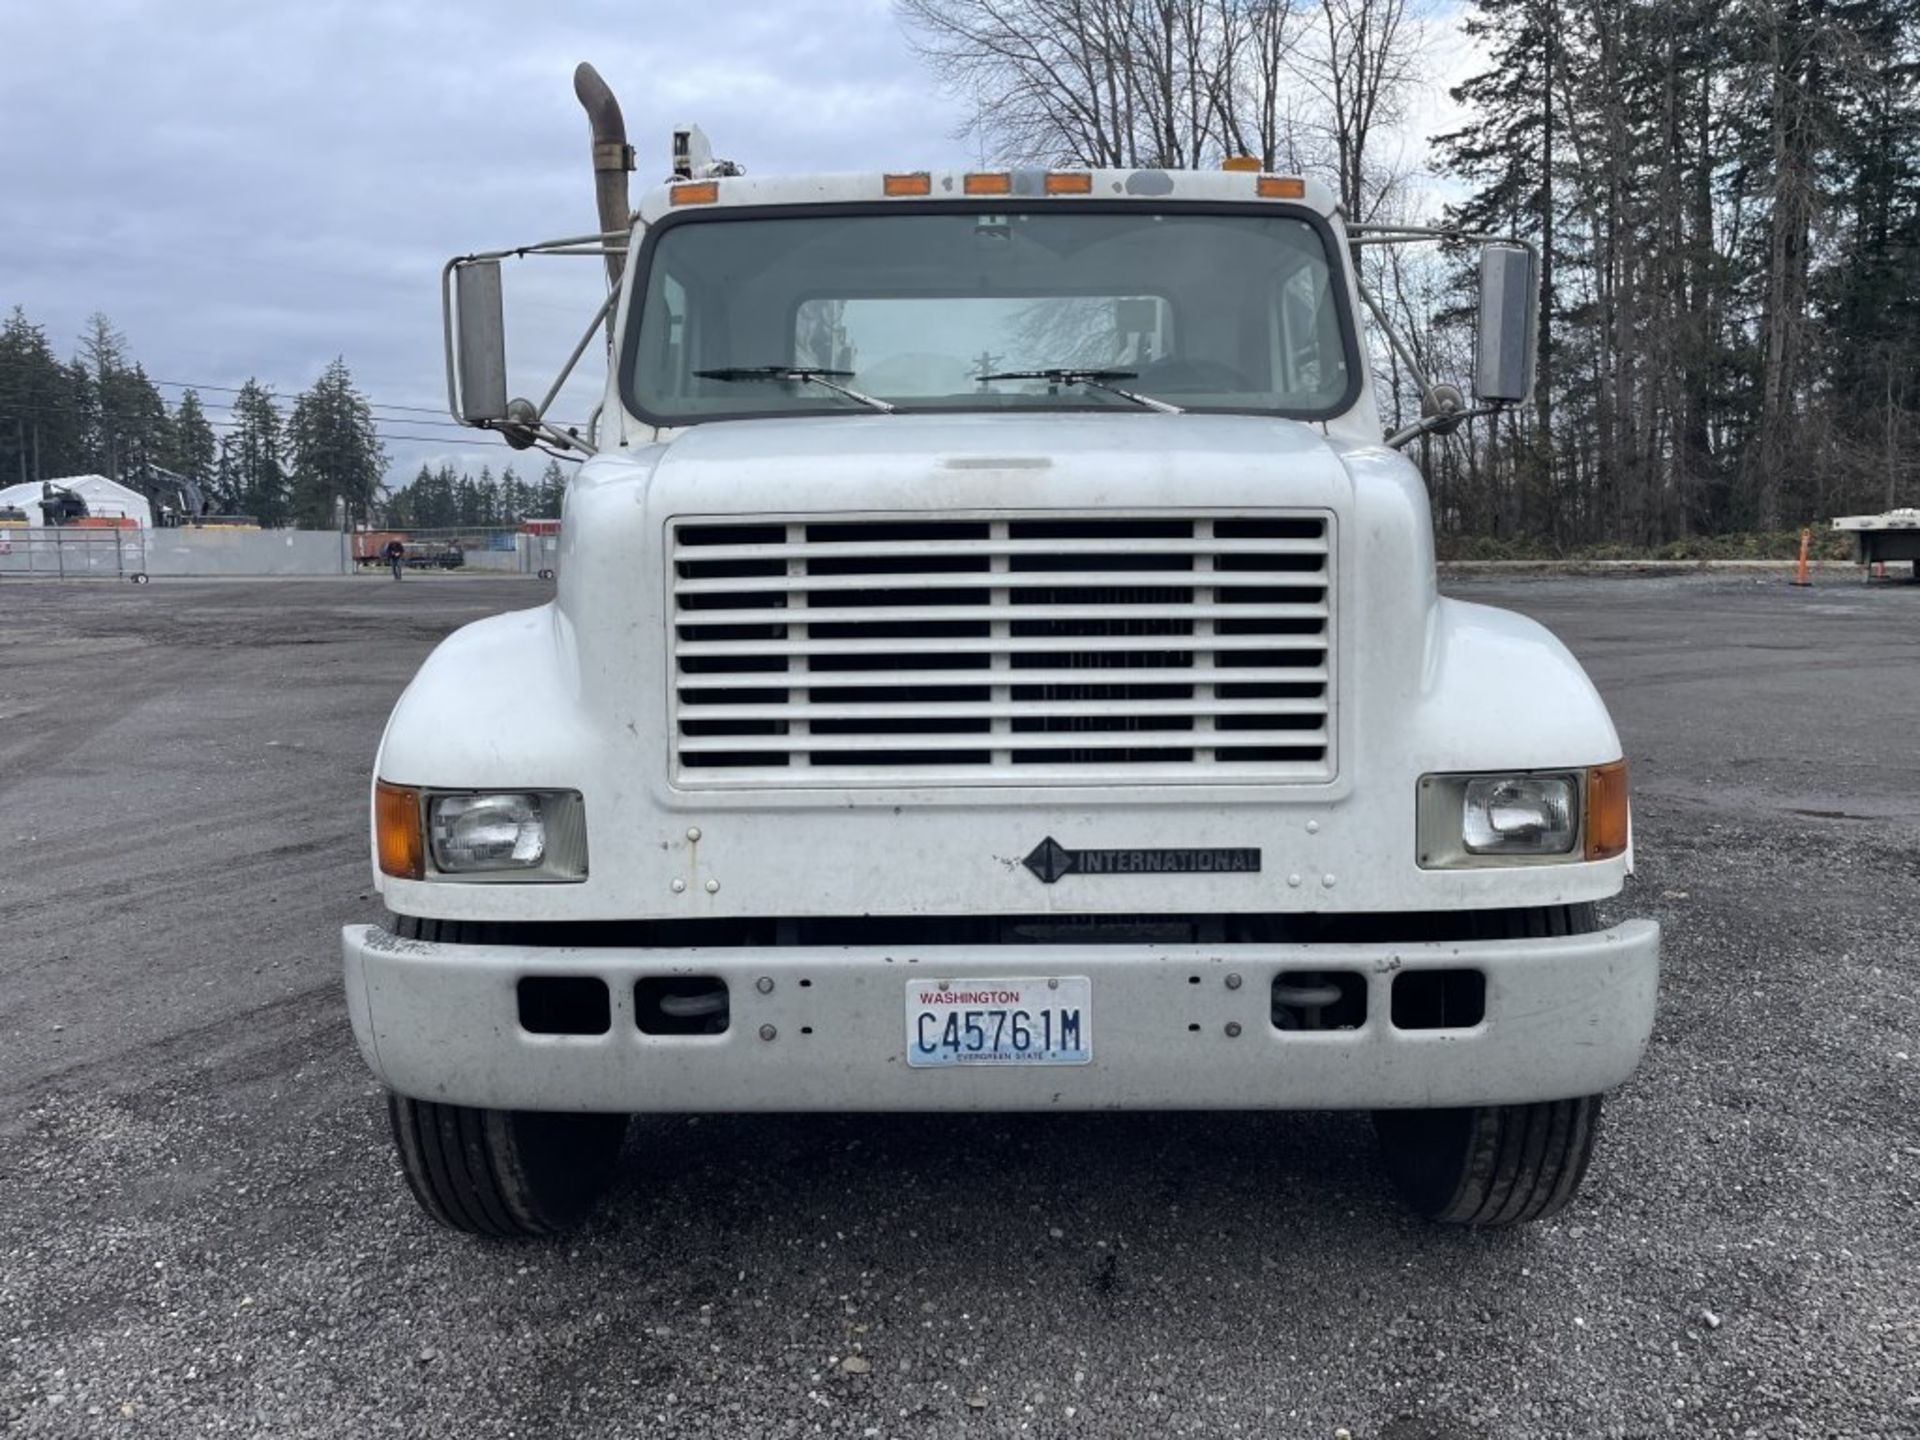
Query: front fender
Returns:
{"type": "Point", "coordinates": [1499, 691]}
{"type": "Point", "coordinates": [496, 704]}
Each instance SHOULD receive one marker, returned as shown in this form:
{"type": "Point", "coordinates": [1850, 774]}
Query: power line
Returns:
{"type": "Point", "coordinates": [13, 409]}
{"type": "Point", "coordinates": [237, 389]}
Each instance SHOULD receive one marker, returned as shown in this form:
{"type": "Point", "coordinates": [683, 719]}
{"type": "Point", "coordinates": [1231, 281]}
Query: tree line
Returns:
{"type": "Point", "coordinates": [442, 498]}
{"type": "Point", "coordinates": [1725, 193]}
{"type": "Point", "coordinates": [319, 465]}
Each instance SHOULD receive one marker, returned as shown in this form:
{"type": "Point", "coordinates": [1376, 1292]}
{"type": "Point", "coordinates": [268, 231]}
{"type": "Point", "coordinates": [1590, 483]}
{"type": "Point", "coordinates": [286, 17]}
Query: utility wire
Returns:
{"type": "Point", "coordinates": [236, 389]}
{"type": "Point", "coordinates": [11, 409]}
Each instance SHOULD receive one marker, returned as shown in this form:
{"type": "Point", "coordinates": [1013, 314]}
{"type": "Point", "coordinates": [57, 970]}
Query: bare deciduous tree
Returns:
{"type": "Point", "coordinates": [1175, 82]}
{"type": "Point", "coordinates": [1363, 63]}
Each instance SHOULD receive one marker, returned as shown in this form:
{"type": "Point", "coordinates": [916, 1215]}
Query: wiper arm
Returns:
{"type": "Point", "coordinates": [812, 375]}
{"type": "Point", "coordinates": [1092, 379]}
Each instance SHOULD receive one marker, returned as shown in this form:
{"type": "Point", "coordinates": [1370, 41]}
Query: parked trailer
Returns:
{"type": "Point", "coordinates": [1885, 538]}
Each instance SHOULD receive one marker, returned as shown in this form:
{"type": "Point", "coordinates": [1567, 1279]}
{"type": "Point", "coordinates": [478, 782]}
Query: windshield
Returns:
{"type": "Point", "coordinates": [929, 309]}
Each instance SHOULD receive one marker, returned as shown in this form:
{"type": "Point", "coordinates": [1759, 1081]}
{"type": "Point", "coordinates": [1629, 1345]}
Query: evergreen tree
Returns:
{"type": "Point", "coordinates": [1869, 296]}
{"type": "Point", "coordinates": [193, 454]}
{"type": "Point", "coordinates": [102, 358]}
{"type": "Point", "coordinates": [44, 407]}
{"type": "Point", "coordinates": [337, 458]}
{"type": "Point", "coordinates": [1508, 154]}
{"type": "Point", "coordinates": [551, 493]}
{"type": "Point", "coordinates": [398, 511]}
{"type": "Point", "coordinates": [256, 457]}
{"type": "Point", "coordinates": [513, 498]}
{"type": "Point", "coordinates": [144, 429]}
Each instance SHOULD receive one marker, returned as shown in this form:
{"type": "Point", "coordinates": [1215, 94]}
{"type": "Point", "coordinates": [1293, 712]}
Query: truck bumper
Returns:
{"type": "Point", "coordinates": [1174, 1028]}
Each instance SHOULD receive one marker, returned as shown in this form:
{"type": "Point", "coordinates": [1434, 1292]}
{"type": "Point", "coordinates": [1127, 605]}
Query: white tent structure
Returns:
{"type": "Point", "coordinates": [106, 499]}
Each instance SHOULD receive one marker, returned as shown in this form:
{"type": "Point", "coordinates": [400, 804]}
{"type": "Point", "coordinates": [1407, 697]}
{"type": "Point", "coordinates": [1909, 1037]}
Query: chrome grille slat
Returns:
{"type": "Point", "coordinates": [869, 680]}
{"type": "Point", "coordinates": [1015, 580]}
{"type": "Point", "coordinates": [1010, 709]}
{"type": "Point", "coordinates": [894, 614]}
{"type": "Point", "coordinates": [830, 551]}
{"type": "Point", "coordinates": [1143, 739]}
{"type": "Point", "coordinates": [1027, 648]}
{"type": "Point", "coordinates": [1086, 645]}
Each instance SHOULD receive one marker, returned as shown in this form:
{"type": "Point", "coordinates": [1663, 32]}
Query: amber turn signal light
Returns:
{"type": "Point", "coordinates": [705, 192]}
{"type": "Point", "coordinates": [1607, 811]}
{"type": "Point", "coordinates": [396, 831]}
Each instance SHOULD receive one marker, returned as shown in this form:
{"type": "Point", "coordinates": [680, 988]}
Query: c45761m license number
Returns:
{"type": "Point", "coordinates": [1048, 1021]}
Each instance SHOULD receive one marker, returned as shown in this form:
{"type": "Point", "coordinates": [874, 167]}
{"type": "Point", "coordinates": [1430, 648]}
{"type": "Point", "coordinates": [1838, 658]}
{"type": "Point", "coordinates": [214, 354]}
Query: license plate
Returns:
{"type": "Point", "coordinates": [1000, 1022]}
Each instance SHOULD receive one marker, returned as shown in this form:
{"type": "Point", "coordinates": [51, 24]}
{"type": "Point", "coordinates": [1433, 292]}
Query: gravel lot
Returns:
{"type": "Point", "coordinates": [202, 1229]}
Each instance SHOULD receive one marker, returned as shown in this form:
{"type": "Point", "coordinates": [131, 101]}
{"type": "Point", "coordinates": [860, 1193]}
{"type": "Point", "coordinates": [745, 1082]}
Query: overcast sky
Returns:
{"type": "Point", "coordinates": [253, 188]}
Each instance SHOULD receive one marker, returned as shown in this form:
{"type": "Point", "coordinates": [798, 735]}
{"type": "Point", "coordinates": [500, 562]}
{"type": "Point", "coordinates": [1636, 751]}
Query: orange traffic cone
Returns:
{"type": "Point", "coordinates": [1800, 568]}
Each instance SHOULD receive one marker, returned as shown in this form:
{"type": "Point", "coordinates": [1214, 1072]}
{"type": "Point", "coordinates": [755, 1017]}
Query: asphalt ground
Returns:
{"type": "Point", "coordinates": [202, 1229]}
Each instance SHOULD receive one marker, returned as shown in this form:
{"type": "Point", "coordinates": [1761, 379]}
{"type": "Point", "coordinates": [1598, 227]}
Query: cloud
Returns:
{"type": "Point", "coordinates": [252, 189]}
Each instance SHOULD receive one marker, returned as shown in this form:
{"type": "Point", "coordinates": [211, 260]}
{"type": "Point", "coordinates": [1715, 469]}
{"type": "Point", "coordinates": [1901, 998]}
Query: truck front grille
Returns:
{"type": "Point", "coordinates": [1038, 649]}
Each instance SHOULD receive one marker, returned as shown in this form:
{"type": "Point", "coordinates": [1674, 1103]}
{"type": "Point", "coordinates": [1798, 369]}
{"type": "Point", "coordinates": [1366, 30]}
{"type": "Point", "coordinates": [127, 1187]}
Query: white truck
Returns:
{"type": "Point", "coordinates": [996, 665]}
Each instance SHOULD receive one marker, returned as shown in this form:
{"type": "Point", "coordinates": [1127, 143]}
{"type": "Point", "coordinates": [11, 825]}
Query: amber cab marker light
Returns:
{"type": "Point", "coordinates": [918, 183]}
{"type": "Point", "coordinates": [988, 183]}
{"type": "Point", "coordinates": [703, 193]}
{"type": "Point", "coordinates": [1240, 164]}
{"type": "Point", "coordinates": [1607, 811]}
{"type": "Point", "coordinates": [1070, 182]}
{"type": "Point", "coordinates": [1282, 187]}
{"type": "Point", "coordinates": [396, 831]}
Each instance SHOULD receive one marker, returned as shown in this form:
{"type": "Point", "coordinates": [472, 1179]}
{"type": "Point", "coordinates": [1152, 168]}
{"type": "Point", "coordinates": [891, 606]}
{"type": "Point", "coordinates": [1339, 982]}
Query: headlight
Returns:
{"type": "Point", "coordinates": [1519, 815]}
{"type": "Point", "coordinates": [1524, 818]}
{"type": "Point", "coordinates": [488, 832]}
{"type": "Point", "coordinates": [481, 835]}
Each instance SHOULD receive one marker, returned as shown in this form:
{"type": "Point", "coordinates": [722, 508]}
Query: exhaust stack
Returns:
{"type": "Point", "coordinates": [612, 158]}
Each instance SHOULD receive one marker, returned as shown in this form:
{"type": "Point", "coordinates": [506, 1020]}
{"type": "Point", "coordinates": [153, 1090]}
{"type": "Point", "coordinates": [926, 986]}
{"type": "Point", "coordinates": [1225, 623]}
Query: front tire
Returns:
{"type": "Point", "coordinates": [1490, 1165]}
{"type": "Point", "coordinates": [504, 1174]}
{"type": "Point", "coordinates": [1496, 1165]}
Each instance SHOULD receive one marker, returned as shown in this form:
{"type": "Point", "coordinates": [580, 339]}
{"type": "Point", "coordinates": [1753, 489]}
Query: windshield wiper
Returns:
{"type": "Point", "coordinates": [1092, 379]}
{"type": "Point", "coordinates": [807, 373]}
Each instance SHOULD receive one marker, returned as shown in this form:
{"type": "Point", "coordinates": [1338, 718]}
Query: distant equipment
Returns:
{"type": "Point", "coordinates": [60, 506]}
{"type": "Point", "coordinates": [1881, 539]}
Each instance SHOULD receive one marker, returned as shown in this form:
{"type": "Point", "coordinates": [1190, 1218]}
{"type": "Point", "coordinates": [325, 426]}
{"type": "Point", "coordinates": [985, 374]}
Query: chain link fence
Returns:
{"type": "Point", "coordinates": [70, 553]}
{"type": "Point", "coordinates": [79, 552]}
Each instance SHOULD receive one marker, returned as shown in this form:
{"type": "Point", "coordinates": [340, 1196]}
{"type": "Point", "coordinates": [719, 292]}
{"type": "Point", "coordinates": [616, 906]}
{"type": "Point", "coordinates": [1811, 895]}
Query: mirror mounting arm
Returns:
{"type": "Point", "coordinates": [475, 362]}
{"type": "Point", "coordinates": [1439, 424]}
{"type": "Point", "coordinates": [1503, 368]}
{"type": "Point", "coordinates": [1437, 402]}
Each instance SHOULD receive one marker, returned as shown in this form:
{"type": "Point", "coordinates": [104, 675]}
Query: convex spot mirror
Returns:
{"type": "Point", "coordinates": [1503, 357]}
{"type": "Point", "coordinates": [480, 341]}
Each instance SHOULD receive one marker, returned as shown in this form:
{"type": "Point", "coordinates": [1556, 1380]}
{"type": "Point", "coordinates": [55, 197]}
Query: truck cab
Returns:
{"type": "Point", "coordinates": [996, 664]}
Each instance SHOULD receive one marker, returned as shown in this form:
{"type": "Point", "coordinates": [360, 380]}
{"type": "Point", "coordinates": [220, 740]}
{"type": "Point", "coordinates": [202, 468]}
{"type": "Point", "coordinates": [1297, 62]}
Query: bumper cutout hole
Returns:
{"type": "Point", "coordinates": [681, 1005]}
{"type": "Point", "coordinates": [564, 1005]}
{"type": "Point", "coordinates": [1319, 1000]}
{"type": "Point", "coordinates": [1439, 999]}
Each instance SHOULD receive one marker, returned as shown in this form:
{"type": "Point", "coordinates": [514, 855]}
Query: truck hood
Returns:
{"type": "Point", "coordinates": [997, 461]}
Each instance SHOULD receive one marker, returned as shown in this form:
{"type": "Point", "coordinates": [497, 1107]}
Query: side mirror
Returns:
{"type": "Point", "coordinates": [480, 342]}
{"type": "Point", "coordinates": [1503, 359]}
